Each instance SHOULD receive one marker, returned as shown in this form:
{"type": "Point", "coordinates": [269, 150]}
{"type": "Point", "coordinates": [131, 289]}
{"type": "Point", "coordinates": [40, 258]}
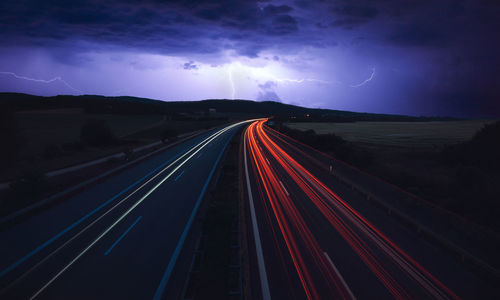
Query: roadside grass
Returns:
{"type": "Point", "coordinates": [427, 135]}
{"type": "Point", "coordinates": [215, 278]}
{"type": "Point", "coordinates": [180, 126]}
{"type": "Point", "coordinates": [58, 138]}
{"type": "Point", "coordinates": [416, 156]}
{"type": "Point", "coordinates": [56, 127]}
{"type": "Point", "coordinates": [51, 139]}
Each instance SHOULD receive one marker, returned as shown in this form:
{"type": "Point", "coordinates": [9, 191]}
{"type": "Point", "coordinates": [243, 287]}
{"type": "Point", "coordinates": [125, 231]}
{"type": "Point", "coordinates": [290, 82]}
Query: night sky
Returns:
{"type": "Point", "coordinates": [417, 57]}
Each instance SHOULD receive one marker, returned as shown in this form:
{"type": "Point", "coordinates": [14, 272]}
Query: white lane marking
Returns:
{"type": "Point", "coordinates": [179, 176]}
{"type": "Point", "coordinates": [339, 276]}
{"type": "Point", "coordinates": [210, 139]}
{"type": "Point", "coordinates": [173, 259]}
{"type": "Point", "coordinates": [258, 247]}
{"type": "Point", "coordinates": [105, 213]}
{"type": "Point", "coordinates": [122, 236]}
{"type": "Point", "coordinates": [286, 192]}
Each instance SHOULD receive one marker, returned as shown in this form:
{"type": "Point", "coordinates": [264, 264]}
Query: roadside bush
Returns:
{"type": "Point", "coordinates": [168, 134]}
{"type": "Point", "coordinates": [354, 155]}
{"type": "Point", "coordinates": [113, 160]}
{"type": "Point", "coordinates": [482, 150]}
{"type": "Point", "coordinates": [332, 144]}
{"type": "Point", "coordinates": [52, 151]}
{"type": "Point", "coordinates": [96, 132]}
{"type": "Point", "coordinates": [476, 195]}
{"type": "Point", "coordinates": [11, 136]}
{"type": "Point", "coordinates": [70, 147]}
{"type": "Point", "coordinates": [29, 188]}
{"type": "Point", "coordinates": [470, 180]}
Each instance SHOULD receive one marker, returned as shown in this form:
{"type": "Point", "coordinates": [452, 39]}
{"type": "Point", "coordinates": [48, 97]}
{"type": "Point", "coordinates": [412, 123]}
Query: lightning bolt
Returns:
{"type": "Point", "coordinates": [302, 80]}
{"type": "Point", "coordinates": [231, 81]}
{"type": "Point", "coordinates": [365, 81]}
{"type": "Point", "coordinates": [58, 78]}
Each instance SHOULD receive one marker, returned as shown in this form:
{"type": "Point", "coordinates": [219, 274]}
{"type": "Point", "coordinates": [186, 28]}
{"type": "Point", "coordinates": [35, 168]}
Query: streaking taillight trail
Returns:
{"type": "Point", "coordinates": [362, 236]}
{"type": "Point", "coordinates": [292, 226]}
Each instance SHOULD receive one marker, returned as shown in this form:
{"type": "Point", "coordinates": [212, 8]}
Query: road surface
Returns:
{"type": "Point", "coordinates": [119, 239]}
{"type": "Point", "coordinates": [311, 237]}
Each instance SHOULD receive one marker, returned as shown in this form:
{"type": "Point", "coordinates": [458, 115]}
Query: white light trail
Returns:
{"type": "Point", "coordinates": [58, 78]}
{"type": "Point", "coordinates": [365, 81]}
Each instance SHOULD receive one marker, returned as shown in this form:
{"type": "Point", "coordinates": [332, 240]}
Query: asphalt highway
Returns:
{"type": "Point", "coordinates": [118, 239]}
{"type": "Point", "coordinates": [311, 237]}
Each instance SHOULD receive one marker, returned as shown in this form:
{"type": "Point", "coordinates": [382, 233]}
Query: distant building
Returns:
{"type": "Point", "coordinates": [212, 112]}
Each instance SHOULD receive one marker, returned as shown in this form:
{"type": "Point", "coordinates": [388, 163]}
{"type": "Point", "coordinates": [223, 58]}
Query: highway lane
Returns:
{"type": "Point", "coordinates": [117, 239]}
{"type": "Point", "coordinates": [318, 239]}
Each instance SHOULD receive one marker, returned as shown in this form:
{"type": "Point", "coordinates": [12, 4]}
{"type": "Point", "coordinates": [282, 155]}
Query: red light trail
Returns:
{"type": "Point", "coordinates": [368, 242]}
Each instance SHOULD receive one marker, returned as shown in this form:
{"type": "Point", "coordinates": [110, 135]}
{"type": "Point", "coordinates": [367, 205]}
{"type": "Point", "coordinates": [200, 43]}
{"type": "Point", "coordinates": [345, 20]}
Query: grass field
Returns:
{"type": "Point", "coordinates": [399, 134]}
{"type": "Point", "coordinates": [415, 157]}
{"type": "Point", "coordinates": [55, 127]}
{"type": "Point", "coordinates": [180, 126]}
{"type": "Point", "coordinates": [42, 130]}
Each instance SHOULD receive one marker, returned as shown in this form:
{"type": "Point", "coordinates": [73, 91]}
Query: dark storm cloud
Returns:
{"type": "Point", "coordinates": [268, 96]}
{"type": "Point", "coordinates": [267, 92]}
{"type": "Point", "coordinates": [267, 85]}
{"type": "Point", "coordinates": [275, 10]}
{"type": "Point", "coordinates": [190, 66]}
{"type": "Point", "coordinates": [163, 27]}
{"type": "Point", "coordinates": [350, 14]}
{"type": "Point", "coordinates": [418, 35]}
{"type": "Point", "coordinates": [283, 24]}
{"type": "Point", "coordinates": [458, 38]}
{"type": "Point", "coordinates": [203, 26]}
{"type": "Point", "coordinates": [348, 23]}
{"type": "Point", "coordinates": [358, 11]}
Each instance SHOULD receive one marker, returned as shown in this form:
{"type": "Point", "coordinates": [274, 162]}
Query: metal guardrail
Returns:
{"type": "Point", "coordinates": [462, 255]}
{"type": "Point", "coordinates": [55, 197]}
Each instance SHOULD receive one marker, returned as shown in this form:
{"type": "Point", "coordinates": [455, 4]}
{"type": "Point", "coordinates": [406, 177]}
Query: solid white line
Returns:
{"type": "Point", "coordinates": [339, 276]}
{"type": "Point", "coordinates": [210, 139]}
{"type": "Point", "coordinates": [284, 188]}
{"type": "Point", "coordinates": [179, 176]}
{"type": "Point", "coordinates": [173, 259]}
{"type": "Point", "coordinates": [258, 247]}
{"type": "Point", "coordinates": [122, 236]}
{"type": "Point", "coordinates": [108, 211]}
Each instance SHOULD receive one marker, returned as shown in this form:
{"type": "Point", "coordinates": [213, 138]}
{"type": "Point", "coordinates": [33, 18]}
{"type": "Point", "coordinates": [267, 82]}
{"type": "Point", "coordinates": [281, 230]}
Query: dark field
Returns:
{"type": "Point", "coordinates": [39, 141]}
{"type": "Point", "coordinates": [452, 163]}
{"type": "Point", "coordinates": [51, 138]}
{"type": "Point", "coordinates": [399, 134]}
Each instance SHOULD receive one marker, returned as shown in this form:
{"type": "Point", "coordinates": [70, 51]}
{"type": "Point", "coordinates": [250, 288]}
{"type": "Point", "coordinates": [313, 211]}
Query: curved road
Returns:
{"type": "Point", "coordinates": [118, 239]}
{"type": "Point", "coordinates": [311, 237]}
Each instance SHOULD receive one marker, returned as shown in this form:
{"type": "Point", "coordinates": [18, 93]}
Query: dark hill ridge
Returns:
{"type": "Point", "coordinates": [134, 105]}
